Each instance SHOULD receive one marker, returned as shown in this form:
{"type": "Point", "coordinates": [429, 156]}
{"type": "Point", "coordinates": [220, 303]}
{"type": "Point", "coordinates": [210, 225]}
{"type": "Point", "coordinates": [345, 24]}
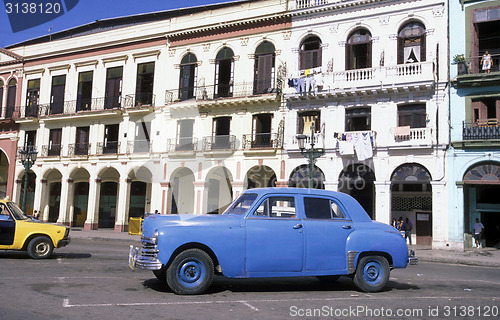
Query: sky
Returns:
{"type": "Point", "coordinates": [82, 12]}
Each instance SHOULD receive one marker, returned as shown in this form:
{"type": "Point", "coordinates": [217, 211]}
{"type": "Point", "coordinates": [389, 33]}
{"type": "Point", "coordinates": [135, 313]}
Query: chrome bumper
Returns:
{"type": "Point", "coordinates": [412, 260]}
{"type": "Point", "coordinates": [146, 260]}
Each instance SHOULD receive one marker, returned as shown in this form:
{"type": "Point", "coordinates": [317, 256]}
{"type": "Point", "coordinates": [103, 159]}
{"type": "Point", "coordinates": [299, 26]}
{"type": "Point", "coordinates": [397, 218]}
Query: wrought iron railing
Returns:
{"type": "Point", "coordinates": [52, 150]}
{"type": "Point", "coordinates": [109, 147]}
{"type": "Point", "coordinates": [481, 130]}
{"type": "Point", "coordinates": [139, 100]}
{"type": "Point", "coordinates": [139, 146]}
{"type": "Point", "coordinates": [220, 142]}
{"type": "Point", "coordinates": [185, 144]}
{"type": "Point", "coordinates": [261, 141]}
{"type": "Point", "coordinates": [78, 149]}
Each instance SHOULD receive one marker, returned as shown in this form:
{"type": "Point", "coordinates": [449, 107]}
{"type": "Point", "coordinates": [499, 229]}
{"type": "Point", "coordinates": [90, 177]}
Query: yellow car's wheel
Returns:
{"type": "Point", "coordinates": [40, 247]}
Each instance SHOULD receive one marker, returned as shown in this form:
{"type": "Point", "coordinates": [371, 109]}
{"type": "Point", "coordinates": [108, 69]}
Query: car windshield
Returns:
{"type": "Point", "coordinates": [16, 211]}
{"type": "Point", "coordinates": [242, 204]}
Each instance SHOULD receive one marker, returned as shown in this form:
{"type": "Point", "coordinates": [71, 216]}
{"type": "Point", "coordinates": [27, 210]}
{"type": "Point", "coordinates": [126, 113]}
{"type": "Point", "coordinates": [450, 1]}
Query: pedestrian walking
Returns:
{"type": "Point", "coordinates": [478, 229]}
{"type": "Point", "coordinates": [408, 227]}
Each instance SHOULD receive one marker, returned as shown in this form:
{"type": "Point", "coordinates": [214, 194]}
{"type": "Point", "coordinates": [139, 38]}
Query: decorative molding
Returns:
{"type": "Point", "coordinates": [211, 61]}
{"type": "Point", "coordinates": [171, 53]}
{"type": "Point", "coordinates": [429, 32]}
{"type": "Point", "coordinates": [278, 52]}
{"type": "Point", "coordinates": [287, 35]}
{"type": "Point", "coordinates": [34, 71]}
{"type": "Point", "coordinates": [206, 47]}
{"type": "Point", "coordinates": [87, 63]}
{"type": "Point", "coordinates": [177, 66]}
{"type": "Point", "coordinates": [236, 58]}
{"type": "Point", "coordinates": [61, 67]}
{"type": "Point", "coordinates": [244, 41]}
{"type": "Point", "coordinates": [251, 56]}
{"type": "Point", "coordinates": [324, 46]}
{"type": "Point", "coordinates": [384, 20]}
{"type": "Point", "coordinates": [148, 54]}
{"type": "Point", "coordinates": [342, 44]}
{"type": "Point", "coordinates": [393, 37]}
{"type": "Point", "coordinates": [123, 58]}
{"type": "Point", "coordinates": [438, 12]}
{"type": "Point", "coordinates": [334, 28]}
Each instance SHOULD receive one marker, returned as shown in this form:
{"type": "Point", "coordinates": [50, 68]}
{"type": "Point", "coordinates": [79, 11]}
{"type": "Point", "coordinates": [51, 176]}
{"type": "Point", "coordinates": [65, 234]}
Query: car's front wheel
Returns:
{"type": "Point", "coordinates": [191, 272]}
{"type": "Point", "coordinates": [40, 247]}
{"type": "Point", "coordinates": [372, 273]}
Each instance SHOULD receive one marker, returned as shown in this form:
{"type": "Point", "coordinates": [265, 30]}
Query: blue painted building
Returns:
{"type": "Point", "coordinates": [473, 168]}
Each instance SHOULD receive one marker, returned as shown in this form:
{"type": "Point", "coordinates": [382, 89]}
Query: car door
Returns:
{"type": "Point", "coordinates": [326, 228]}
{"type": "Point", "coordinates": [274, 238]}
{"type": "Point", "coordinates": [7, 227]}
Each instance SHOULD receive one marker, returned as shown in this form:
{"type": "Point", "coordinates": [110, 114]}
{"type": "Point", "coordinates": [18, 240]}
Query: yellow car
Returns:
{"type": "Point", "coordinates": [20, 232]}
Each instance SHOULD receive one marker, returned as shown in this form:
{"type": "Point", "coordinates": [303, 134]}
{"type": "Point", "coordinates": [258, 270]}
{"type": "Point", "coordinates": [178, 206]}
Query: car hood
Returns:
{"type": "Point", "coordinates": [157, 221]}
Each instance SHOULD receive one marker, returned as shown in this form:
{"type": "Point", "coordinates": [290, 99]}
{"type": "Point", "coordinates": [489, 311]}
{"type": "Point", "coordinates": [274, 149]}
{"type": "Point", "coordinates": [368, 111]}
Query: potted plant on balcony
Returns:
{"type": "Point", "coordinates": [461, 62]}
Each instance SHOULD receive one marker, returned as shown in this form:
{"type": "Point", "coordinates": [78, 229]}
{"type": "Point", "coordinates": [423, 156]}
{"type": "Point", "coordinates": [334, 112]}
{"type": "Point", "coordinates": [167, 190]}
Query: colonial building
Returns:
{"type": "Point", "coordinates": [180, 111]}
{"type": "Point", "coordinates": [372, 76]}
{"type": "Point", "coordinates": [474, 156]}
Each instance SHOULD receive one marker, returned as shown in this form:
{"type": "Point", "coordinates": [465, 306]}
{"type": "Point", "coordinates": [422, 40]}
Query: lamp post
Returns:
{"type": "Point", "coordinates": [28, 157]}
{"type": "Point", "coordinates": [310, 154]}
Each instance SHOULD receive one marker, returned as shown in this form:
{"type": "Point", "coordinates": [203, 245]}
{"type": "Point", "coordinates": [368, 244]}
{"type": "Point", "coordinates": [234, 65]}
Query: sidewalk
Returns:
{"type": "Point", "coordinates": [486, 257]}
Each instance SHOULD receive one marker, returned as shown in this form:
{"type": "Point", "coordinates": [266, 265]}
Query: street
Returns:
{"type": "Point", "coordinates": [89, 279]}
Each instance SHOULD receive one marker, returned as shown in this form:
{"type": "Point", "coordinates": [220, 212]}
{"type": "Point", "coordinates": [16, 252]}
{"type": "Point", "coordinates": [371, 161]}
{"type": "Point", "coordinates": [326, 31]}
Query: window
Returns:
{"type": "Point", "coordinates": [114, 82]}
{"type": "Point", "coordinates": [486, 111]}
{"type": "Point", "coordinates": [30, 138]}
{"type": "Point", "coordinates": [359, 50]}
{"type": "Point", "coordinates": [111, 138]}
{"type": "Point", "coordinates": [220, 133]}
{"type": "Point", "coordinates": [84, 98]}
{"type": "Point", "coordinates": [144, 87]}
{"type": "Point", "coordinates": [184, 135]}
{"type": "Point", "coordinates": [485, 36]}
{"type": "Point", "coordinates": [412, 115]}
{"type": "Point", "coordinates": [320, 208]}
{"type": "Point", "coordinates": [264, 68]}
{"type": "Point", "coordinates": [358, 119]}
{"type": "Point", "coordinates": [55, 136]}
{"type": "Point", "coordinates": [241, 205]}
{"type": "Point", "coordinates": [310, 53]}
{"type": "Point", "coordinates": [306, 119]}
{"type": "Point", "coordinates": [187, 77]}
{"type": "Point", "coordinates": [224, 73]}
{"type": "Point", "coordinates": [142, 136]}
{"type": "Point", "coordinates": [82, 141]}
{"type": "Point", "coordinates": [32, 98]}
{"type": "Point", "coordinates": [411, 43]}
{"type": "Point", "coordinates": [57, 94]}
{"type": "Point", "coordinates": [261, 133]}
{"type": "Point", "coordinates": [277, 207]}
{"type": "Point", "coordinates": [11, 98]}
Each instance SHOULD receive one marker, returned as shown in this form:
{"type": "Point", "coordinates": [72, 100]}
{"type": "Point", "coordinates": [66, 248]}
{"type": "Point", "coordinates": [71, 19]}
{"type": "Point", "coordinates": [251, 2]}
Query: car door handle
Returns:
{"type": "Point", "coordinates": [297, 226]}
{"type": "Point", "coordinates": [347, 227]}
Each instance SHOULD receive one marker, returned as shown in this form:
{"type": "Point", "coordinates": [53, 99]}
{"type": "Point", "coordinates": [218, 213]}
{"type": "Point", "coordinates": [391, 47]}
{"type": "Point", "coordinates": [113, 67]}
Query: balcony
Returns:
{"type": "Point", "coordinates": [259, 141]}
{"type": "Point", "coordinates": [182, 145]}
{"type": "Point", "coordinates": [51, 150]}
{"type": "Point", "coordinates": [109, 147]}
{"type": "Point", "coordinates": [78, 149]}
{"type": "Point", "coordinates": [219, 143]}
{"type": "Point", "coordinates": [369, 81]}
{"type": "Point", "coordinates": [412, 137]}
{"type": "Point", "coordinates": [303, 4]}
{"type": "Point", "coordinates": [487, 129]}
{"type": "Point", "coordinates": [139, 100]}
{"type": "Point", "coordinates": [77, 106]}
{"type": "Point", "coordinates": [470, 73]}
{"type": "Point", "coordinates": [214, 92]}
{"type": "Point", "coordinates": [139, 146]}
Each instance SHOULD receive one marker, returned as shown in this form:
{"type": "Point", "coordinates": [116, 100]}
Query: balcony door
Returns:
{"type": "Point", "coordinates": [220, 133]}
{"type": "Point", "coordinates": [111, 138]}
{"type": "Point", "coordinates": [142, 136]}
{"type": "Point", "coordinates": [261, 132]}
{"type": "Point", "coordinates": [411, 43]}
{"type": "Point", "coordinates": [55, 142]}
{"type": "Point", "coordinates": [114, 80]}
{"type": "Point", "coordinates": [486, 111]}
{"type": "Point", "coordinates": [359, 50]}
{"type": "Point", "coordinates": [82, 141]}
{"type": "Point", "coordinates": [188, 77]}
{"type": "Point", "coordinates": [84, 98]}
{"type": "Point", "coordinates": [32, 98]}
{"type": "Point", "coordinates": [57, 94]}
{"type": "Point", "coordinates": [184, 135]}
{"type": "Point", "coordinates": [224, 73]}
{"type": "Point", "coordinates": [11, 98]}
{"type": "Point", "coordinates": [264, 68]}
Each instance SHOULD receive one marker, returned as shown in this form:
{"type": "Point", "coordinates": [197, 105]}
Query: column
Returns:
{"type": "Point", "coordinates": [237, 188]}
{"type": "Point", "coordinates": [332, 185]}
{"type": "Point", "coordinates": [439, 215]}
{"type": "Point", "coordinates": [64, 205]}
{"type": "Point", "coordinates": [457, 235]}
{"type": "Point", "coordinates": [383, 201]}
{"type": "Point", "coordinates": [44, 201]}
{"type": "Point", "coordinates": [39, 191]}
{"type": "Point", "coordinates": [92, 221]}
{"type": "Point", "coordinates": [199, 191]}
{"type": "Point", "coordinates": [122, 206]}
{"type": "Point", "coordinates": [165, 193]}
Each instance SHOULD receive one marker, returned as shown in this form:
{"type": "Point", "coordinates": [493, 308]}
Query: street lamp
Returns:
{"type": "Point", "coordinates": [310, 154]}
{"type": "Point", "coordinates": [28, 157]}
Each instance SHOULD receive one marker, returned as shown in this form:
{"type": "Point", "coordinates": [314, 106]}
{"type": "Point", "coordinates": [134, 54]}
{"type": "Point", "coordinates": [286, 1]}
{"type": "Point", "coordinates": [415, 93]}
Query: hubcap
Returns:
{"type": "Point", "coordinates": [372, 272]}
{"type": "Point", "coordinates": [41, 248]}
{"type": "Point", "coordinates": [191, 273]}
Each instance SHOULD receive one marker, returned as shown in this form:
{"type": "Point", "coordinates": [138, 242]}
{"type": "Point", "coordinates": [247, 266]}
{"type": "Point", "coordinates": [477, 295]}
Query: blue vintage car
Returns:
{"type": "Point", "coordinates": [272, 232]}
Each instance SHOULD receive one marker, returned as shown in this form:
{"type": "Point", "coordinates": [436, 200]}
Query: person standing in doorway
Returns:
{"type": "Point", "coordinates": [478, 229]}
{"type": "Point", "coordinates": [408, 227]}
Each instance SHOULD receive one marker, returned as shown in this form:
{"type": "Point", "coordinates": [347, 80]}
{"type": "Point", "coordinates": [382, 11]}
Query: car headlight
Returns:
{"type": "Point", "coordinates": [154, 237]}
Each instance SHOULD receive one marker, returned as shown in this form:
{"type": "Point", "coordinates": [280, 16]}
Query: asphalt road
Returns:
{"type": "Point", "coordinates": [89, 279]}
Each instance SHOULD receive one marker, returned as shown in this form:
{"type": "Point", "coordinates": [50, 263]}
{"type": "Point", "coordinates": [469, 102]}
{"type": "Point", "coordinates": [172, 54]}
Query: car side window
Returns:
{"type": "Point", "coordinates": [4, 213]}
{"type": "Point", "coordinates": [321, 208]}
{"type": "Point", "coordinates": [277, 207]}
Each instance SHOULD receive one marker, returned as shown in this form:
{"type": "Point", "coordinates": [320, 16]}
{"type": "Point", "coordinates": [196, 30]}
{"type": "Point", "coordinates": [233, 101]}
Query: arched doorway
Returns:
{"type": "Point", "coordinates": [81, 187]}
{"type": "Point", "coordinates": [481, 201]}
{"type": "Point", "coordinates": [357, 181]}
{"type": "Point", "coordinates": [299, 178]}
{"type": "Point", "coordinates": [182, 191]}
{"type": "Point", "coordinates": [412, 198]}
{"type": "Point", "coordinates": [108, 198]}
{"type": "Point", "coordinates": [260, 177]}
{"type": "Point", "coordinates": [218, 190]}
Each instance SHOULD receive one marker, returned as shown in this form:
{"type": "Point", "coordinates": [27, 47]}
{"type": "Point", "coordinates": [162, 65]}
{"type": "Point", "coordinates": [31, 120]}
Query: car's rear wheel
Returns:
{"type": "Point", "coordinates": [191, 272]}
{"type": "Point", "coordinates": [40, 247]}
{"type": "Point", "coordinates": [372, 273]}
